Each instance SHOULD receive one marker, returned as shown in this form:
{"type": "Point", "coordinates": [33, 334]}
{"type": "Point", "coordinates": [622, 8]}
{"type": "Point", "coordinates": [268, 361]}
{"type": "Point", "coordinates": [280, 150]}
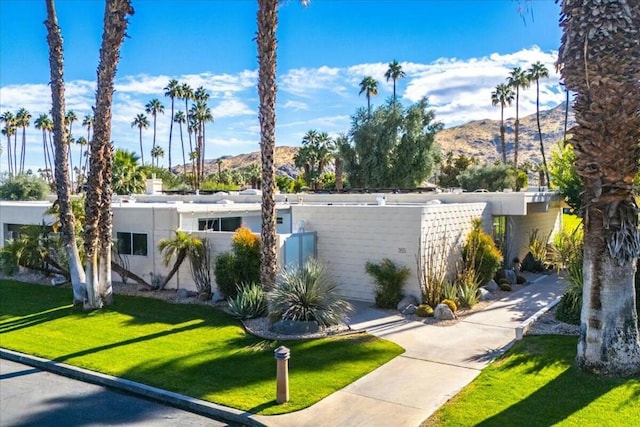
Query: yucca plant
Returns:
{"type": "Point", "coordinates": [250, 301]}
{"type": "Point", "coordinates": [390, 279]}
{"type": "Point", "coordinates": [307, 294]}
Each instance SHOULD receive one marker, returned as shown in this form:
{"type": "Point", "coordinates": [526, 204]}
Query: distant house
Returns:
{"type": "Point", "coordinates": [343, 231]}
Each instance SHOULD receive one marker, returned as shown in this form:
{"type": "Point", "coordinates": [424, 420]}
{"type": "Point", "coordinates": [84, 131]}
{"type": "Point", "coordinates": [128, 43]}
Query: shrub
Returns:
{"type": "Point", "coordinates": [424, 310]}
{"type": "Point", "coordinates": [481, 254]}
{"type": "Point", "coordinates": [249, 302]}
{"type": "Point", "coordinates": [390, 280]}
{"type": "Point", "coordinates": [23, 187]}
{"type": "Point", "coordinates": [493, 177]}
{"type": "Point", "coordinates": [450, 291]}
{"type": "Point", "coordinates": [241, 265]}
{"type": "Point", "coordinates": [570, 305]}
{"type": "Point", "coordinates": [538, 248]}
{"type": "Point", "coordinates": [503, 281]}
{"type": "Point", "coordinates": [307, 294]}
{"type": "Point", "coordinates": [200, 264]}
{"type": "Point", "coordinates": [504, 286]}
{"type": "Point", "coordinates": [452, 304]}
{"type": "Point", "coordinates": [567, 246]}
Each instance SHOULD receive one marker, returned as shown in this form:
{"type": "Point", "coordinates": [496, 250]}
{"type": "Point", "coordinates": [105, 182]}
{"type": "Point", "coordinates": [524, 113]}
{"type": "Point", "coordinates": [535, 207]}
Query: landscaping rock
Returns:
{"type": "Point", "coordinates": [407, 301]}
{"type": "Point", "coordinates": [511, 277]}
{"type": "Point", "coordinates": [294, 327]}
{"type": "Point", "coordinates": [492, 286]}
{"type": "Point", "coordinates": [410, 309]}
{"type": "Point", "coordinates": [443, 312]}
{"type": "Point", "coordinates": [484, 294]}
{"type": "Point", "coordinates": [182, 294]}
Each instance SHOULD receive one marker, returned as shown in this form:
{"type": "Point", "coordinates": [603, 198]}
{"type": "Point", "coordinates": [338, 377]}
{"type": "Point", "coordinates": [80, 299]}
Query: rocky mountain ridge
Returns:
{"type": "Point", "coordinates": [478, 138]}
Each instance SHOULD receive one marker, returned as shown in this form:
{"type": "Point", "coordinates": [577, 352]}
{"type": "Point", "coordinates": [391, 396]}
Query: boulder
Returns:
{"type": "Point", "coordinates": [484, 294]}
{"type": "Point", "coordinates": [491, 286]}
{"type": "Point", "coordinates": [443, 312]}
{"type": "Point", "coordinates": [410, 309]}
{"type": "Point", "coordinates": [407, 301]}
{"type": "Point", "coordinates": [182, 294]}
{"type": "Point", "coordinates": [511, 277]}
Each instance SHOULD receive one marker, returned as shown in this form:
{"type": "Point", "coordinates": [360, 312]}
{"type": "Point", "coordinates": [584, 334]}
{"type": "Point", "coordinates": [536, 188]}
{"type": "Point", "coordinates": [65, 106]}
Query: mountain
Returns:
{"type": "Point", "coordinates": [481, 138]}
{"type": "Point", "coordinates": [478, 138]}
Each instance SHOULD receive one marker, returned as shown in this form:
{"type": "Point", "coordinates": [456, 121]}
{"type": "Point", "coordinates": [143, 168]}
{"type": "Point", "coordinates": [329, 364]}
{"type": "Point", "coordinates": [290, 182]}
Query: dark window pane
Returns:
{"type": "Point", "coordinates": [124, 243]}
{"type": "Point", "coordinates": [230, 224]}
{"type": "Point", "coordinates": [139, 244]}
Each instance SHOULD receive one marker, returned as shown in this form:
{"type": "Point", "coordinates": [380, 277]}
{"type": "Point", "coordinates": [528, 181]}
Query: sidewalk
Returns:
{"type": "Point", "coordinates": [438, 362]}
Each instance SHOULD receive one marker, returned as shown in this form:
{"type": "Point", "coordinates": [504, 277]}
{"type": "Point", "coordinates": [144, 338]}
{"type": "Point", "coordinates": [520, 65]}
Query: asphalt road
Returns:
{"type": "Point", "coordinates": [31, 397]}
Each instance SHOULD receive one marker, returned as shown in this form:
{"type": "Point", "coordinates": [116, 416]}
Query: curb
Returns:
{"type": "Point", "coordinates": [524, 326]}
{"type": "Point", "coordinates": [180, 401]}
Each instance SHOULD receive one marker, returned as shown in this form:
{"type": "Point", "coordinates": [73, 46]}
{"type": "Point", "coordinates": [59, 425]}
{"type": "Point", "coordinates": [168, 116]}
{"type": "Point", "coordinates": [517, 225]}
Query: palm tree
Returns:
{"type": "Point", "coordinates": [219, 164]}
{"type": "Point", "coordinates": [186, 93]}
{"type": "Point", "coordinates": [172, 90]}
{"type": "Point", "coordinates": [82, 142]}
{"type": "Point", "coordinates": [517, 79]}
{"type": "Point", "coordinates": [599, 61]}
{"type": "Point", "coordinates": [199, 116]}
{"type": "Point", "coordinates": [44, 123]}
{"type": "Point", "coordinates": [9, 130]}
{"type": "Point", "coordinates": [394, 72]}
{"type": "Point", "coordinates": [88, 123]}
{"type": "Point", "coordinates": [156, 153]}
{"type": "Point", "coordinates": [141, 122]}
{"type": "Point", "coordinates": [154, 107]}
{"type": "Point", "coordinates": [182, 246]}
{"type": "Point", "coordinates": [369, 86]}
{"type": "Point", "coordinates": [69, 119]}
{"type": "Point", "coordinates": [535, 73]}
{"type": "Point", "coordinates": [128, 176]}
{"type": "Point", "coordinates": [503, 95]}
{"type": "Point", "coordinates": [23, 120]}
{"type": "Point", "coordinates": [180, 119]}
{"type": "Point", "coordinates": [200, 96]}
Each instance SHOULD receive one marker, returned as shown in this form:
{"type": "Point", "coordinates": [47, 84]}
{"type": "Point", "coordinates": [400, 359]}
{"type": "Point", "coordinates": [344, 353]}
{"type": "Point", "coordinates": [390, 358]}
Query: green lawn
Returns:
{"type": "Point", "coordinates": [536, 383]}
{"type": "Point", "coordinates": [190, 349]}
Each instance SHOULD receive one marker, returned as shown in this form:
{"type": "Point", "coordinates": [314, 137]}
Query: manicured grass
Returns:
{"type": "Point", "coordinates": [536, 383]}
{"type": "Point", "coordinates": [190, 349]}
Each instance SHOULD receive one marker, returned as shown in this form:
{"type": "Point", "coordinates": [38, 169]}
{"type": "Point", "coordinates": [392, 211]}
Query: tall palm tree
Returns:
{"type": "Point", "coordinates": [200, 115]}
{"type": "Point", "coordinates": [517, 79]}
{"type": "Point", "coordinates": [88, 123]}
{"type": "Point", "coordinates": [599, 61]}
{"type": "Point", "coordinates": [23, 120]}
{"type": "Point", "coordinates": [202, 97]}
{"type": "Point", "coordinates": [535, 73]}
{"type": "Point", "coordinates": [9, 130]}
{"type": "Point", "coordinates": [368, 86]}
{"type": "Point", "coordinates": [154, 107]}
{"type": "Point", "coordinates": [98, 223]}
{"type": "Point", "coordinates": [61, 170]}
{"type": "Point", "coordinates": [141, 122]}
{"type": "Point", "coordinates": [394, 72]}
{"type": "Point", "coordinates": [82, 142]}
{"type": "Point", "coordinates": [44, 124]}
{"type": "Point", "coordinates": [503, 96]}
{"type": "Point", "coordinates": [156, 153]}
{"type": "Point", "coordinates": [172, 90]}
{"type": "Point", "coordinates": [69, 119]}
{"type": "Point", "coordinates": [186, 93]}
{"type": "Point", "coordinates": [180, 119]}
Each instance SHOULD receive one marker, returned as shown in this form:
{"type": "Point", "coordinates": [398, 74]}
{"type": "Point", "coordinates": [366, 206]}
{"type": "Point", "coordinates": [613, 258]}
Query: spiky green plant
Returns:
{"type": "Point", "coordinates": [250, 301]}
{"type": "Point", "coordinates": [390, 279]}
{"type": "Point", "coordinates": [307, 294]}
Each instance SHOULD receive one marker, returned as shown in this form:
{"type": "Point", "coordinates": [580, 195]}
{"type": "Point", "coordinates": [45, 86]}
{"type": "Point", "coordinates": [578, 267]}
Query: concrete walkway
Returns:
{"type": "Point", "coordinates": [438, 362]}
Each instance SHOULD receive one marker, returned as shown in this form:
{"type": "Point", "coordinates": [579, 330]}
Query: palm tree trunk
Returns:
{"type": "Point", "coordinates": [9, 155]}
{"type": "Point", "coordinates": [184, 159]}
{"type": "Point", "coordinates": [16, 171]}
{"type": "Point", "coordinates": [170, 132]}
{"type": "Point", "coordinates": [544, 159]}
{"type": "Point", "coordinates": [502, 140]}
{"type": "Point", "coordinates": [182, 255]}
{"type": "Point", "coordinates": [63, 190]}
{"type": "Point", "coordinates": [566, 115]}
{"type": "Point", "coordinates": [266, 41]}
{"type": "Point", "coordinates": [141, 149]}
{"type": "Point", "coordinates": [517, 130]}
{"type": "Point", "coordinates": [23, 152]}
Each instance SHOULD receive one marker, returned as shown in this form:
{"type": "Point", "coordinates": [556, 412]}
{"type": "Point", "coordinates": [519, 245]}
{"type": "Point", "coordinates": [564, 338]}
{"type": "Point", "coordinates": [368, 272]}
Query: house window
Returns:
{"type": "Point", "coordinates": [279, 220]}
{"type": "Point", "coordinates": [132, 243]}
{"type": "Point", "coordinates": [500, 232]}
{"type": "Point", "coordinates": [220, 224]}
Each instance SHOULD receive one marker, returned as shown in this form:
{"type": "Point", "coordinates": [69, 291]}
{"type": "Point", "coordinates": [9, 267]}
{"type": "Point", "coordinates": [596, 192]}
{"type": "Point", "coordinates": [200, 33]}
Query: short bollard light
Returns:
{"type": "Point", "coordinates": [282, 354]}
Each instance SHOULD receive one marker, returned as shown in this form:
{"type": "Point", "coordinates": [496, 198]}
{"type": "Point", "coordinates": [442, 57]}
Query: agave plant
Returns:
{"type": "Point", "coordinates": [307, 294]}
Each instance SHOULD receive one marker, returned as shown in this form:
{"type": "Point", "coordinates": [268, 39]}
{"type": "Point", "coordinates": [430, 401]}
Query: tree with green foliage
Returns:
{"type": "Point", "coordinates": [539, 71]}
{"type": "Point", "coordinates": [316, 151]}
{"type": "Point", "coordinates": [518, 79]}
{"type": "Point", "coordinates": [564, 177]}
{"type": "Point", "coordinates": [154, 107]}
{"type": "Point", "coordinates": [172, 90]}
{"type": "Point", "coordinates": [23, 187]}
{"type": "Point", "coordinates": [451, 169]}
{"type": "Point", "coordinates": [393, 148]}
{"type": "Point", "coordinates": [128, 175]}
{"type": "Point", "coordinates": [141, 122]}
{"type": "Point", "coordinates": [490, 177]}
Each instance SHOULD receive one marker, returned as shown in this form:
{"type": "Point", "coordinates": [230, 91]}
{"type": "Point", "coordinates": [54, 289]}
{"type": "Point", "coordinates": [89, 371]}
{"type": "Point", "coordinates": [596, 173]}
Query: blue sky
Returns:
{"type": "Point", "coordinates": [454, 52]}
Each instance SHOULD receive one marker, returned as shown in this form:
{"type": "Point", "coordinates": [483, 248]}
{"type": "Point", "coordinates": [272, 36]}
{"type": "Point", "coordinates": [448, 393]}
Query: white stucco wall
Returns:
{"type": "Point", "coordinates": [23, 213]}
{"type": "Point", "coordinates": [548, 223]}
